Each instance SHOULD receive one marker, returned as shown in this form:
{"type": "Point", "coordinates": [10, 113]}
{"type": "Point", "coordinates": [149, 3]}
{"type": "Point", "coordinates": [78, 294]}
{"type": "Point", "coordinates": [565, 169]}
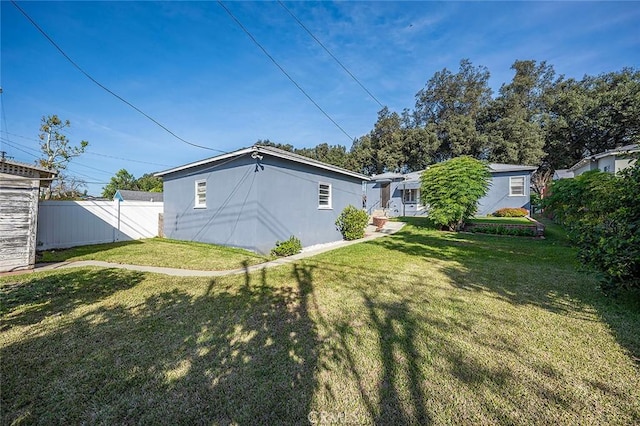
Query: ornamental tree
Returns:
{"type": "Point", "coordinates": [451, 190]}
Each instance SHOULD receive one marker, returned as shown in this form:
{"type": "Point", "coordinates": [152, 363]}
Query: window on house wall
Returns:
{"type": "Point", "coordinates": [410, 195]}
{"type": "Point", "coordinates": [516, 185]}
{"type": "Point", "coordinates": [201, 194]}
{"type": "Point", "coordinates": [324, 195]}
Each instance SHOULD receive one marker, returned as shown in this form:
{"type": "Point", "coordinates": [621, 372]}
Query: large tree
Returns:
{"type": "Point", "coordinates": [122, 180]}
{"type": "Point", "coordinates": [57, 153]}
{"type": "Point", "coordinates": [513, 121]}
{"type": "Point", "coordinates": [451, 104]}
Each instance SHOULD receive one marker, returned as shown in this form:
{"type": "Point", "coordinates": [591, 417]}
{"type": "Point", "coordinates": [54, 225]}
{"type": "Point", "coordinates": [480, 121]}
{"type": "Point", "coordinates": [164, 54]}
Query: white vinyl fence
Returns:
{"type": "Point", "coordinates": [63, 224]}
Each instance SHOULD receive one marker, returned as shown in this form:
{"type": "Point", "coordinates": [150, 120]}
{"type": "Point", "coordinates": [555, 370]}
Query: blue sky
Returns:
{"type": "Point", "coordinates": [193, 69]}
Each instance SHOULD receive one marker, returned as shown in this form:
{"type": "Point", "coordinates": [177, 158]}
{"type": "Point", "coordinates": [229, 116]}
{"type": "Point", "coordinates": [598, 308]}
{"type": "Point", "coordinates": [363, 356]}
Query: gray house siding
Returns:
{"type": "Point", "coordinates": [396, 206]}
{"type": "Point", "coordinates": [498, 196]}
{"type": "Point", "coordinates": [252, 205]}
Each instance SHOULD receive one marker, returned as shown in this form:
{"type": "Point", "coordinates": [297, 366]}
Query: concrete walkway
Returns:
{"type": "Point", "coordinates": [370, 234]}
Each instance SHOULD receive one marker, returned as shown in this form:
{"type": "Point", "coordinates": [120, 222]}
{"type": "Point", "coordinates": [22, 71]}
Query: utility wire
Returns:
{"type": "Point", "coordinates": [96, 153]}
{"type": "Point", "coordinates": [86, 74]}
{"type": "Point", "coordinates": [282, 69]}
{"type": "Point", "coordinates": [330, 54]}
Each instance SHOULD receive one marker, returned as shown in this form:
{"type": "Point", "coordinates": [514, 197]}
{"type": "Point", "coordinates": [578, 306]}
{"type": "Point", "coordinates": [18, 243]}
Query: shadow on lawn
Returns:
{"type": "Point", "coordinates": [233, 355]}
{"type": "Point", "coordinates": [59, 294]}
{"type": "Point", "coordinates": [532, 272]}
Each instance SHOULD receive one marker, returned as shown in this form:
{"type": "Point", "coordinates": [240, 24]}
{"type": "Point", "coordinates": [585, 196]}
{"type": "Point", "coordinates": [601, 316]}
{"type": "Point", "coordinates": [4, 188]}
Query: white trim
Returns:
{"type": "Point", "coordinates": [197, 204]}
{"type": "Point", "coordinates": [524, 186]}
{"type": "Point", "coordinates": [328, 206]}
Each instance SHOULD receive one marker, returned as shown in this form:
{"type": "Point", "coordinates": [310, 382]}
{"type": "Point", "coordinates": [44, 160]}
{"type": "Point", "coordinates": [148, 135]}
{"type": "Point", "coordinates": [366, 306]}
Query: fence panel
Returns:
{"type": "Point", "coordinates": [63, 224]}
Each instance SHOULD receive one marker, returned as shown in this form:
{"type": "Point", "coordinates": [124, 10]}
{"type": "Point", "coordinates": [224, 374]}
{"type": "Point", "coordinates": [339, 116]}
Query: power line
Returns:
{"type": "Point", "coordinates": [97, 153]}
{"type": "Point", "coordinates": [86, 74]}
{"type": "Point", "coordinates": [330, 54]}
{"type": "Point", "coordinates": [282, 69]}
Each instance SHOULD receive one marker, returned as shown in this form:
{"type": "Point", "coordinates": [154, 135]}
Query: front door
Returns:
{"type": "Point", "coordinates": [384, 194]}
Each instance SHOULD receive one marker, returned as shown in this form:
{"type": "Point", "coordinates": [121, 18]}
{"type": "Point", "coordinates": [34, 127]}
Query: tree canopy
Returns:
{"type": "Point", "coordinates": [125, 180]}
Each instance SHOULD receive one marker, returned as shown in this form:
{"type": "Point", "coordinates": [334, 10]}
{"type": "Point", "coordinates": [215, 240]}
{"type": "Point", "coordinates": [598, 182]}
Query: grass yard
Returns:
{"type": "Point", "coordinates": [420, 327]}
{"type": "Point", "coordinates": [501, 220]}
{"type": "Point", "coordinates": [160, 252]}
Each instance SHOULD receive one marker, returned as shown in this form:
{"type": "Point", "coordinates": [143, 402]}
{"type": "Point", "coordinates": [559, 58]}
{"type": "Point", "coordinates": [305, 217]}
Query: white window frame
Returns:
{"type": "Point", "coordinates": [197, 204]}
{"type": "Point", "coordinates": [524, 186]}
{"type": "Point", "coordinates": [411, 199]}
{"type": "Point", "coordinates": [328, 205]}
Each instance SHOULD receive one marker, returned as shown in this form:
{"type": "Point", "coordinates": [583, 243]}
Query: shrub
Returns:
{"type": "Point", "coordinates": [503, 230]}
{"type": "Point", "coordinates": [287, 248]}
{"type": "Point", "coordinates": [601, 212]}
{"type": "Point", "coordinates": [452, 189]}
{"type": "Point", "coordinates": [352, 222]}
{"type": "Point", "coordinates": [511, 212]}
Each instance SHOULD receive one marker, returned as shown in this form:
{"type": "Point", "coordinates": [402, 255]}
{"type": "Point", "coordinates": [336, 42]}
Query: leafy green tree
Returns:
{"type": "Point", "coordinates": [451, 190]}
{"type": "Point", "coordinates": [149, 182]}
{"type": "Point", "coordinates": [57, 153]}
{"type": "Point", "coordinates": [452, 103]}
{"type": "Point", "coordinates": [122, 180]}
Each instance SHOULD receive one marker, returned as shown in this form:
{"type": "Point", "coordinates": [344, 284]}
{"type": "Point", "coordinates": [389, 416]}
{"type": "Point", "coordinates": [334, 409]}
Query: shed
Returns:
{"type": "Point", "coordinates": [256, 196]}
{"type": "Point", "coordinates": [20, 185]}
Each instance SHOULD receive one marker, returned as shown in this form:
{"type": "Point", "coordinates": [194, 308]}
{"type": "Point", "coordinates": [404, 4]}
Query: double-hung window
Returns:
{"type": "Point", "coordinates": [410, 196]}
{"type": "Point", "coordinates": [516, 185]}
{"type": "Point", "coordinates": [201, 194]}
{"type": "Point", "coordinates": [324, 195]}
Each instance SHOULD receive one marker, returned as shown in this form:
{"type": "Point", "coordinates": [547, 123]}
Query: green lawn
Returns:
{"type": "Point", "coordinates": [420, 327]}
{"type": "Point", "coordinates": [160, 252]}
{"type": "Point", "coordinates": [501, 220]}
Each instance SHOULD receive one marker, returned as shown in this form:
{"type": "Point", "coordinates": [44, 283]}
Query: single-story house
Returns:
{"type": "Point", "coordinates": [129, 195]}
{"type": "Point", "coordinates": [611, 161]}
{"type": "Point", "coordinates": [20, 185]}
{"type": "Point", "coordinates": [256, 196]}
{"type": "Point", "coordinates": [398, 194]}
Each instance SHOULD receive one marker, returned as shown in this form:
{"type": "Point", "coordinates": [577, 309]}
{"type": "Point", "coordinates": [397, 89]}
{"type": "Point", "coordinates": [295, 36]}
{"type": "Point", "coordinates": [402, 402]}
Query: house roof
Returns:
{"type": "Point", "coordinates": [128, 195]}
{"type": "Point", "coordinates": [25, 170]}
{"type": "Point", "coordinates": [498, 167]}
{"type": "Point", "coordinates": [268, 150]}
{"type": "Point", "coordinates": [562, 174]}
{"type": "Point", "coordinates": [627, 149]}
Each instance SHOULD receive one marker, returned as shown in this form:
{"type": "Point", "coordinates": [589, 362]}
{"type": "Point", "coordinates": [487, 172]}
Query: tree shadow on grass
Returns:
{"type": "Point", "coordinates": [237, 354]}
{"type": "Point", "coordinates": [29, 302]}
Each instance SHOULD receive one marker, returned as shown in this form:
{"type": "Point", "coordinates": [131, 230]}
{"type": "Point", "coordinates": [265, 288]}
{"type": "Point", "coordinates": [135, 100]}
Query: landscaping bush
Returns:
{"type": "Point", "coordinates": [601, 211]}
{"type": "Point", "coordinates": [503, 230]}
{"type": "Point", "coordinates": [452, 189]}
{"type": "Point", "coordinates": [352, 222]}
{"type": "Point", "coordinates": [511, 212]}
{"type": "Point", "coordinates": [287, 248]}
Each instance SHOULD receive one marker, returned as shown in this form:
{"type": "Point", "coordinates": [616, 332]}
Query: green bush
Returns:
{"type": "Point", "coordinates": [452, 189]}
{"type": "Point", "coordinates": [601, 212]}
{"type": "Point", "coordinates": [287, 248]}
{"type": "Point", "coordinates": [503, 230]}
{"type": "Point", "coordinates": [511, 212]}
{"type": "Point", "coordinates": [352, 222]}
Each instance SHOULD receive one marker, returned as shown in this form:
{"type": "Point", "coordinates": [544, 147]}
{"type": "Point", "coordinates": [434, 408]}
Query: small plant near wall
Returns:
{"type": "Point", "coordinates": [511, 212]}
{"type": "Point", "coordinates": [287, 248]}
{"type": "Point", "coordinates": [352, 222]}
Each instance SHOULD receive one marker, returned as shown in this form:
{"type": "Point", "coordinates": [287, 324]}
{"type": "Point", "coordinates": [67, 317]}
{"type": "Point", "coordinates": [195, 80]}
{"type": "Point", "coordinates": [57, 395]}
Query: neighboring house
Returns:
{"type": "Point", "coordinates": [611, 161]}
{"type": "Point", "coordinates": [19, 193]}
{"type": "Point", "coordinates": [562, 174]}
{"type": "Point", "coordinates": [510, 187]}
{"type": "Point", "coordinates": [127, 195]}
{"type": "Point", "coordinates": [398, 194]}
{"type": "Point", "coordinates": [256, 196]}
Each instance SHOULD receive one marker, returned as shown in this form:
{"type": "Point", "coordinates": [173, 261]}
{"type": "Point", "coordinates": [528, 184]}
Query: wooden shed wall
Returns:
{"type": "Point", "coordinates": [18, 216]}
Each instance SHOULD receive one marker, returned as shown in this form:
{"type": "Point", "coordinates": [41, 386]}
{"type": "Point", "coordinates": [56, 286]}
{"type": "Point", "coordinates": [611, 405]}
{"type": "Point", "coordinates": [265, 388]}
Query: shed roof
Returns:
{"type": "Point", "coordinates": [268, 150]}
{"type": "Point", "coordinates": [498, 167]}
{"type": "Point", "coordinates": [128, 195]}
{"type": "Point", "coordinates": [30, 171]}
